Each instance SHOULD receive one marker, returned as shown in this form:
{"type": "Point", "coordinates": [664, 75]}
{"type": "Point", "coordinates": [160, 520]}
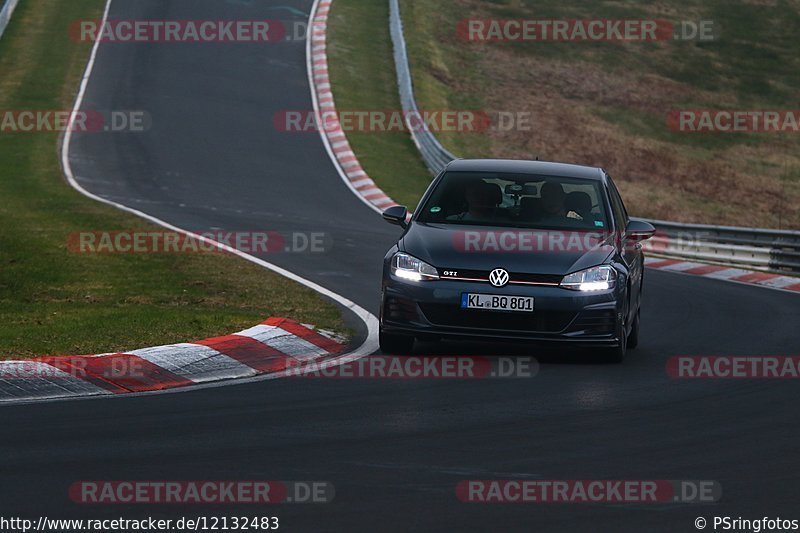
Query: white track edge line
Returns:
{"type": "Point", "coordinates": [367, 347]}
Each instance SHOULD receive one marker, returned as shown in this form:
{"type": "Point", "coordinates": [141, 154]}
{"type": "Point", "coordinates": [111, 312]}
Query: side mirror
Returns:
{"type": "Point", "coordinates": [396, 215]}
{"type": "Point", "coordinates": [640, 230]}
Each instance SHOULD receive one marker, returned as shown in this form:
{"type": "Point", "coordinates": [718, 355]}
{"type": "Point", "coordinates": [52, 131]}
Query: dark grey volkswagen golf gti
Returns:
{"type": "Point", "coordinates": [525, 251]}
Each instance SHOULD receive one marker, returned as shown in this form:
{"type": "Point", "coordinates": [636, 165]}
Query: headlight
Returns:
{"type": "Point", "coordinates": [409, 267]}
{"type": "Point", "coordinates": [599, 278]}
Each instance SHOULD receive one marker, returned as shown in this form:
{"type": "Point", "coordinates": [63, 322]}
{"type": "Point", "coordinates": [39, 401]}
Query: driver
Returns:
{"type": "Point", "coordinates": [553, 197]}
{"type": "Point", "coordinates": [481, 198]}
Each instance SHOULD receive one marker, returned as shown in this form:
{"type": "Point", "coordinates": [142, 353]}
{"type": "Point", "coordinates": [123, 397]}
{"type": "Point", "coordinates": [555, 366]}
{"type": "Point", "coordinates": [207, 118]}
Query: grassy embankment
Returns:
{"type": "Point", "coordinates": [593, 103]}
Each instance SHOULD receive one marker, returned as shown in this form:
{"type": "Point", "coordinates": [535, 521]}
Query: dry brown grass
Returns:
{"type": "Point", "coordinates": [659, 180]}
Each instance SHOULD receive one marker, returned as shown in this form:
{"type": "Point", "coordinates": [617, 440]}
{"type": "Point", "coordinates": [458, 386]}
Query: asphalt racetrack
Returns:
{"type": "Point", "coordinates": [394, 449]}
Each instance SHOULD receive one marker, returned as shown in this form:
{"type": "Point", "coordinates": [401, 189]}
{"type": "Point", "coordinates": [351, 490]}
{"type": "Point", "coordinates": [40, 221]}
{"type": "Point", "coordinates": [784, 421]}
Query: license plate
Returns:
{"type": "Point", "coordinates": [496, 302]}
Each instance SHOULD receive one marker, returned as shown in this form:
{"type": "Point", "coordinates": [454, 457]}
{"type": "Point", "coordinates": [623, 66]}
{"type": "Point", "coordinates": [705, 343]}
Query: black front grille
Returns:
{"type": "Point", "coordinates": [451, 315]}
{"type": "Point", "coordinates": [400, 309]}
{"type": "Point", "coordinates": [595, 322]}
{"type": "Point", "coordinates": [536, 278]}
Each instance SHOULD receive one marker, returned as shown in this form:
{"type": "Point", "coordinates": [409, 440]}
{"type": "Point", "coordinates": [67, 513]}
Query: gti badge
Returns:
{"type": "Point", "coordinates": [498, 277]}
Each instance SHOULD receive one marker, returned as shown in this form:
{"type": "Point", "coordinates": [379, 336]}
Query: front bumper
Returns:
{"type": "Point", "coordinates": [433, 309]}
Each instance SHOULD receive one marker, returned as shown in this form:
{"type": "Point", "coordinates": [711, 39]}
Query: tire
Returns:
{"type": "Point", "coordinates": [617, 354]}
{"type": "Point", "coordinates": [633, 338]}
{"type": "Point", "coordinates": [395, 344]}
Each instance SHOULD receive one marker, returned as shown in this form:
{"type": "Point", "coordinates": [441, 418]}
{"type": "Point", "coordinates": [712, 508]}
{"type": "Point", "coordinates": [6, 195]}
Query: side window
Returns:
{"type": "Point", "coordinates": [620, 214]}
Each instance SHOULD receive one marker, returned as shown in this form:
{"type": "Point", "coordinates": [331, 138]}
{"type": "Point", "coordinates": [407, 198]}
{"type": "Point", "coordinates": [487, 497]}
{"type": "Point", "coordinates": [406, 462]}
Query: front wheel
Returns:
{"type": "Point", "coordinates": [395, 344]}
{"type": "Point", "coordinates": [617, 354]}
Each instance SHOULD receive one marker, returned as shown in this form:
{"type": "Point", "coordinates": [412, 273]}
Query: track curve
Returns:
{"type": "Point", "coordinates": [394, 449]}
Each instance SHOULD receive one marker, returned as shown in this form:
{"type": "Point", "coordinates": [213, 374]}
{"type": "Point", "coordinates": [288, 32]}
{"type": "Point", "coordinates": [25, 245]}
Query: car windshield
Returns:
{"type": "Point", "coordinates": [517, 201]}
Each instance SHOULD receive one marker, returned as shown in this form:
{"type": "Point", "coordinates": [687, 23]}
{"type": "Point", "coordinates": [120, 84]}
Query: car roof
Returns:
{"type": "Point", "coordinates": [521, 166]}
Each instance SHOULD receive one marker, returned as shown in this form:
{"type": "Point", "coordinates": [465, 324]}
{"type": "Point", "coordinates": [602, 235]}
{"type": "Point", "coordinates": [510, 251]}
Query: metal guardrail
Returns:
{"type": "Point", "coordinates": [752, 248]}
{"type": "Point", "coordinates": [5, 14]}
{"type": "Point", "coordinates": [433, 153]}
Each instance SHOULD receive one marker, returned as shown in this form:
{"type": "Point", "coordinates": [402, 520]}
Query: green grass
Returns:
{"type": "Point", "coordinates": [362, 73]}
{"type": "Point", "coordinates": [53, 301]}
{"type": "Point", "coordinates": [440, 67]}
{"type": "Point", "coordinates": [755, 55]}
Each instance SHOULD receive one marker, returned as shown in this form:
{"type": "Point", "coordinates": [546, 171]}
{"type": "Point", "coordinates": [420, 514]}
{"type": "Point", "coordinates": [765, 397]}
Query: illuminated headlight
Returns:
{"type": "Point", "coordinates": [599, 278]}
{"type": "Point", "coordinates": [409, 267]}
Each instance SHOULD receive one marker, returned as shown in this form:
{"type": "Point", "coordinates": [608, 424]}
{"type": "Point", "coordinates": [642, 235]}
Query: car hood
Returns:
{"type": "Point", "coordinates": [552, 252]}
